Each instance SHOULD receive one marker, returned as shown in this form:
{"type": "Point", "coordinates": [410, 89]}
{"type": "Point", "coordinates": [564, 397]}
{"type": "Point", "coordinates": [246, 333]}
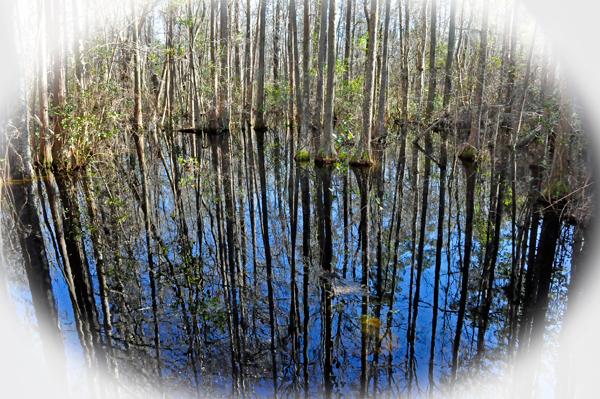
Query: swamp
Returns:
{"type": "Point", "coordinates": [292, 198]}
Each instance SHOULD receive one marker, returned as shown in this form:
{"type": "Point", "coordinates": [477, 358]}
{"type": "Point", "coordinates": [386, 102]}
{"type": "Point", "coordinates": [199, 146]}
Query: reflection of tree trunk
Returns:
{"type": "Point", "coordinates": [379, 177]}
{"type": "Point", "coordinates": [530, 284]}
{"type": "Point", "coordinates": [324, 175]}
{"type": "Point", "coordinates": [99, 247]}
{"type": "Point", "coordinates": [82, 277]}
{"type": "Point", "coordinates": [363, 179]}
{"type": "Point", "coordinates": [438, 256]}
{"type": "Point", "coordinates": [400, 172]}
{"type": "Point", "coordinates": [470, 172]}
{"type": "Point", "coordinates": [139, 144]}
{"type": "Point", "coordinates": [304, 182]}
{"type": "Point", "coordinates": [489, 264]}
{"type": "Point", "coordinates": [260, 140]}
{"type": "Point", "coordinates": [544, 261]}
{"type": "Point", "coordinates": [33, 250]}
{"type": "Point", "coordinates": [413, 327]}
{"type": "Point", "coordinates": [565, 372]}
{"type": "Point", "coordinates": [414, 183]}
{"type": "Point", "coordinates": [294, 303]}
{"type": "Point", "coordinates": [468, 157]}
{"type": "Point", "coordinates": [230, 222]}
{"type": "Point", "coordinates": [516, 278]}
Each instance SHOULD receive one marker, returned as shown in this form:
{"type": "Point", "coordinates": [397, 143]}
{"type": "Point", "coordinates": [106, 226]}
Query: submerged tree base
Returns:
{"type": "Point", "coordinates": [468, 155]}
{"type": "Point", "coordinates": [302, 156]}
{"type": "Point", "coordinates": [321, 160]}
{"type": "Point", "coordinates": [361, 163]}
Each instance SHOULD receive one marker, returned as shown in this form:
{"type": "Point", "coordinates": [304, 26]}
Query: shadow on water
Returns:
{"type": "Point", "coordinates": [211, 266]}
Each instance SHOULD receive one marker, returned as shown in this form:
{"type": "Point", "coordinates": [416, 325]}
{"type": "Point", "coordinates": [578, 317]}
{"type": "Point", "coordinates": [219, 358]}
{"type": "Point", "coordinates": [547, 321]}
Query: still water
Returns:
{"type": "Point", "coordinates": [220, 267]}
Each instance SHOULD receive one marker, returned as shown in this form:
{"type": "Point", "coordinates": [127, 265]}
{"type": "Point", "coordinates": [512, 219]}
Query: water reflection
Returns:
{"type": "Point", "coordinates": [214, 267]}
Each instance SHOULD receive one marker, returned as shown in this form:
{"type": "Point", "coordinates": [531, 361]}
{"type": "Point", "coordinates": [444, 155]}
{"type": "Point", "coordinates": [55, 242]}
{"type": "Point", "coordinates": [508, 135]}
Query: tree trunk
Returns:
{"type": "Point", "coordinates": [326, 154]}
{"type": "Point", "coordinates": [259, 124]}
{"type": "Point", "coordinates": [363, 155]}
{"type": "Point", "coordinates": [380, 128]}
{"type": "Point", "coordinates": [59, 86]}
{"type": "Point", "coordinates": [317, 125]}
{"type": "Point", "coordinates": [303, 147]}
{"type": "Point", "coordinates": [45, 156]}
{"type": "Point", "coordinates": [432, 77]}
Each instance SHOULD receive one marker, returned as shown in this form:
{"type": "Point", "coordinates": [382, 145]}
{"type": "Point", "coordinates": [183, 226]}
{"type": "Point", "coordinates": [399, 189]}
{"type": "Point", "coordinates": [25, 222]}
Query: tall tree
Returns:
{"type": "Point", "coordinates": [468, 157]}
{"type": "Point", "coordinates": [326, 152]}
{"type": "Point", "coordinates": [363, 155]}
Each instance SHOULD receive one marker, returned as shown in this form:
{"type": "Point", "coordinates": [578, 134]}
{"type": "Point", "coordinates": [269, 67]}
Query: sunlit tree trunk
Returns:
{"type": "Point", "coordinates": [45, 156]}
{"type": "Point", "coordinates": [468, 157]}
{"type": "Point", "coordinates": [326, 152]}
{"type": "Point", "coordinates": [78, 47]}
{"type": "Point", "coordinates": [259, 123]}
{"type": "Point", "coordinates": [347, 41]}
{"type": "Point", "coordinates": [380, 128]}
{"type": "Point", "coordinates": [303, 146]}
{"type": "Point", "coordinates": [138, 136]}
{"type": "Point", "coordinates": [363, 155]}
{"type": "Point", "coordinates": [450, 56]}
{"type": "Point", "coordinates": [317, 123]}
{"type": "Point", "coordinates": [58, 85]}
{"type": "Point", "coordinates": [23, 202]}
{"type": "Point", "coordinates": [223, 107]}
{"type": "Point", "coordinates": [432, 77]}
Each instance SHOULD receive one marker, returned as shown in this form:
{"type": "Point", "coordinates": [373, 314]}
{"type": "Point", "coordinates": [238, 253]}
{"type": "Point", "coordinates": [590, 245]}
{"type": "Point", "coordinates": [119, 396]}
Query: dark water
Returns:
{"type": "Point", "coordinates": [251, 275]}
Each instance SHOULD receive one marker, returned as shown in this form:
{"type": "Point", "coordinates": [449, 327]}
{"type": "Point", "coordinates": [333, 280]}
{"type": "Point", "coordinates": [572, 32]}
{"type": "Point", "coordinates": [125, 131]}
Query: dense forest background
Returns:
{"type": "Point", "coordinates": [194, 112]}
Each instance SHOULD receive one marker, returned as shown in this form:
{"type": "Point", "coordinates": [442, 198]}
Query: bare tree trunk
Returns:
{"type": "Point", "coordinates": [317, 125]}
{"type": "Point", "coordinates": [469, 160]}
{"type": "Point", "coordinates": [347, 39]}
{"type": "Point", "coordinates": [259, 124]}
{"type": "Point", "coordinates": [450, 56]}
{"type": "Point", "coordinates": [432, 77]}
{"type": "Point", "coordinates": [223, 108]}
{"type": "Point", "coordinates": [45, 138]}
{"type": "Point", "coordinates": [303, 147]}
{"type": "Point", "coordinates": [363, 155]}
{"type": "Point", "coordinates": [77, 47]}
{"type": "Point", "coordinates": [326, 154]}
{"type": "Point", "coordinates": [59, 86]}
{"type": "Point", "coordinates": [380, 128]}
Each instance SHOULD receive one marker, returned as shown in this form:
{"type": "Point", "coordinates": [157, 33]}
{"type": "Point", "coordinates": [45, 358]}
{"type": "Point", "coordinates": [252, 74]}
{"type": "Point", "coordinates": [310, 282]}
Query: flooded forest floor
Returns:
{"type": "Point", "coordinates": [216, 265]}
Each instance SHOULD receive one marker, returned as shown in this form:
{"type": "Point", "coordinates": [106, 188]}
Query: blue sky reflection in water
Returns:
{"type": "Point", "coordinates": [191, 290]}
{"type": "Point", "coordinates": [171, 326]}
